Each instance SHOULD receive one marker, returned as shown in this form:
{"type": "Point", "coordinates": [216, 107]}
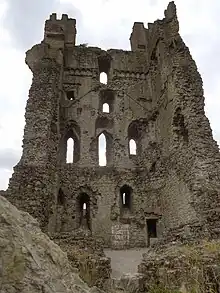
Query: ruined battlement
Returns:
{"type": "Point", "coordinates": [147, 45]}
{"type": "Point", "coordinates": [145, 39]}
{"type": "Point", "coordinates": [60, 31]}
{"type": "Point", "coordinates": [64, 19]}
{"type": "Point", "coordinates": [63, 31]}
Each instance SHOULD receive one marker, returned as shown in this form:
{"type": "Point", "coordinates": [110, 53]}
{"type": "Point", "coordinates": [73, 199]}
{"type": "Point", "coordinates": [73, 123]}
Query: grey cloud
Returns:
{"type": "Point", "coordinates": [25, 19]}
{"type": "Point", "coordinates": [73, 12]}
{"type": "Point", "coordinates": [206, 57]}
{"type": "Point", "coordinates": [8, 158]}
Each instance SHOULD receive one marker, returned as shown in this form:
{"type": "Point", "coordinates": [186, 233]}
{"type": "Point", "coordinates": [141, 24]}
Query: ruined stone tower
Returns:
{"type": "Point", "coordinates": [167, 187]}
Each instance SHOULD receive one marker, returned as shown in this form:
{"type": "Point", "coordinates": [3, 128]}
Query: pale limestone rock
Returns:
{"type": "Point", "coordinates": [29, 261]}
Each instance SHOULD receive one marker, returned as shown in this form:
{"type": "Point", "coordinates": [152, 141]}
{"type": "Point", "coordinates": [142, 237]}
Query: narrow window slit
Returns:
{"type": "Point", "coordinates": [84, 205]}
{"type": "Point", "coordinates": [103, 78]}
{"type": "Point", "coordinates": [132, 147]}
{"type": "Point", "coordinates": [123, 198]}
{"type": "Point", "coordinates": [70, 150]}
{"type": "Point", "coordinates": [102, 150]}
{"type": "Point", "coordinates": [125, 193]}
{"type": "Point", "coordinates": [60, 197]}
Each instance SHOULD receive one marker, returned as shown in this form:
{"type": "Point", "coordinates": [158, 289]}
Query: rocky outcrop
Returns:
{"type": "Point", "coordinates": [29, 261]}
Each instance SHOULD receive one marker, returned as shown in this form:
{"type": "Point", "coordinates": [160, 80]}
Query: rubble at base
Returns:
{"type": "Point", "coordinates": [177, 267]}
{"type": "Point", "coordinates": [31, 262]}
{"type": "Point", "coordinates": [86, 254]}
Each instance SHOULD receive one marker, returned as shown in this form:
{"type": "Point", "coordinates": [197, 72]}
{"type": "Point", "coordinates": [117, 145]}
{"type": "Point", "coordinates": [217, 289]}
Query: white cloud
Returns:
{"type": "Point", "coordinates": [4, 178]}
{"type": "Point", "coordinates": [103, 23]}
{"type": "Point", "coordinates": [24, 19]}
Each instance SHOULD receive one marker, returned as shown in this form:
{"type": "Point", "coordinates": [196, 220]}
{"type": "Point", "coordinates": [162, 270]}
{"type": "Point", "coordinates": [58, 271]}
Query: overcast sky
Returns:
{"type": "Point", "coordinates": [103, 23]}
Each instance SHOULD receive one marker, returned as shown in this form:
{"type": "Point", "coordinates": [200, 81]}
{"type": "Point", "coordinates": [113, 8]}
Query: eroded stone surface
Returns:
{"type": "Point", "coordinates": [155, 97]}
{"type": "Point", "coordinates": [182, 268]}
{"type": "Point", "coordinates": [30, 261]}
{"type": "Point", "coordinates": [86, 254]}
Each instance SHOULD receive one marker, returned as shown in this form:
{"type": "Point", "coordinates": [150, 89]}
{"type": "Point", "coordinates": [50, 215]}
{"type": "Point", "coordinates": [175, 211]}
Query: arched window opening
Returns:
{"type": "Point", "coordinates": [136, 131]}
{"type": "Point", "coordinates": [70, 142]}
{"type": "Point", "coordinates": [84, 205]}
{"type": "Point", "coordinates": [132, 147]}
{"type": "Point", "coordinates": [125, 194]}
{"type": "Point", "coordinates": [70, 150]}
{"type": "Point", "coordinates": [107, 96]}
{"type": "Point", "coordinates": [104, 63]}
{"type": "Point", "coordinates": [103, 78]}
{"type": "Point", "coordinates": [105, 108]}
{"type": "Point", "coordinates": [102, 150]}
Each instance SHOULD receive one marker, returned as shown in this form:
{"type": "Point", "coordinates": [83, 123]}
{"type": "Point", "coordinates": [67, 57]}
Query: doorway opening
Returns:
{"type": "Point", "coordinates": [151, 229]}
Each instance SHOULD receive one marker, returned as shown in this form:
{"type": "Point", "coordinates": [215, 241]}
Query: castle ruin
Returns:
{"type": "Point", "coordinates": [166, 187]}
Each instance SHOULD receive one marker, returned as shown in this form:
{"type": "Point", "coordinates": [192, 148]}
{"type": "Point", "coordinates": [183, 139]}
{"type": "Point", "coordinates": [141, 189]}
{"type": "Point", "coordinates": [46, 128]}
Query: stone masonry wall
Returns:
{"type": "Point", "coordinates": [191, 153]}
{"type": "Point", "coordinates": [155, 97]}
{"type": "Point", "coordinates": [32, 184]}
